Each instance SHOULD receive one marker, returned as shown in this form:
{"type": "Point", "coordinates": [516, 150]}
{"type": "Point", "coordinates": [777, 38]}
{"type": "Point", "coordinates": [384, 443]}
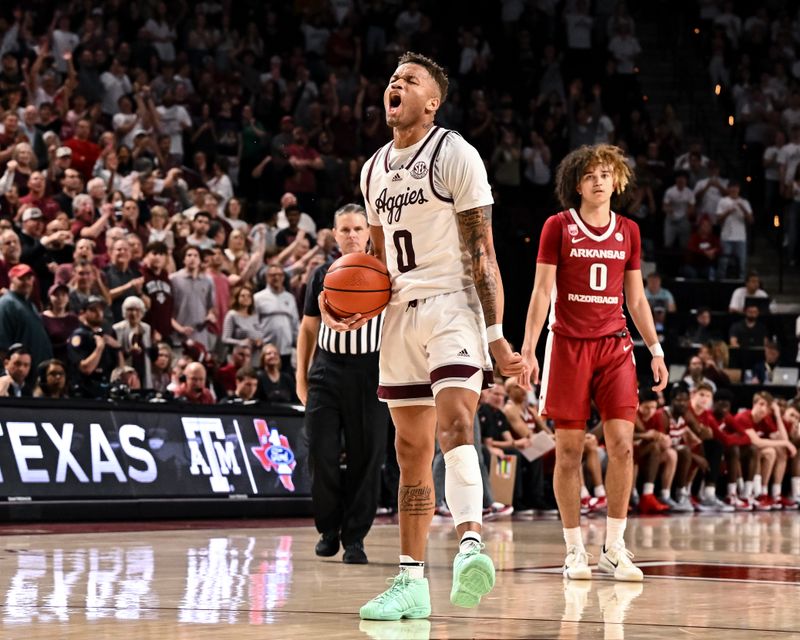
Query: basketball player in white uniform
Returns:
{"type": "Point", "coordinates": [429, 205]}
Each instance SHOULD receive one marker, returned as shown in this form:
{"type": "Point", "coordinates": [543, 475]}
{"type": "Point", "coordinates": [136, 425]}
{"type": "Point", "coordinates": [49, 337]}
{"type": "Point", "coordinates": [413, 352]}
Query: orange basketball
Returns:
{"type": "Point", "coordinates": [357, 283]}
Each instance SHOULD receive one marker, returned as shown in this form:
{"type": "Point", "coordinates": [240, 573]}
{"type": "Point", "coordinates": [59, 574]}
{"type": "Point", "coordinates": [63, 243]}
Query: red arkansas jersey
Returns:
{"type": "Point", "coordinates": [678, 428]}
{"type": "Point", "coordinates": [743, 421]}
{"type": "Point", "coordinates": [725, 431]}
{"type": "Point", "coordinates": [656, 422]}
{"type": "Point", "coordinates": [591, 264]}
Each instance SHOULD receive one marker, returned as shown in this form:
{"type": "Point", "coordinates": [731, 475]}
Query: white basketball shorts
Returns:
{"type": "Point", "coordinates": [431, 344]}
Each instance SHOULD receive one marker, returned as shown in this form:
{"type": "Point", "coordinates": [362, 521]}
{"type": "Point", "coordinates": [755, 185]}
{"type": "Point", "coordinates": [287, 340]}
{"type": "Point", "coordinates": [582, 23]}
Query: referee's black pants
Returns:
{"type": "Point", "coordinates": [343, 401]}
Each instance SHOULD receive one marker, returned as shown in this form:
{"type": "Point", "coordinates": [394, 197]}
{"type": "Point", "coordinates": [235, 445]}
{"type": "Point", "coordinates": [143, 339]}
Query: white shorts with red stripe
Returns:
{"type": "Point", "coordinates": [432, 344]}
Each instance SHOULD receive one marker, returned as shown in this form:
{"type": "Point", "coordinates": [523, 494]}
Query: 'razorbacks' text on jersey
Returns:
{"type": "Point", "coordinates": [590, 276]}
{"type": "Point", "coordinates": [414, 194]}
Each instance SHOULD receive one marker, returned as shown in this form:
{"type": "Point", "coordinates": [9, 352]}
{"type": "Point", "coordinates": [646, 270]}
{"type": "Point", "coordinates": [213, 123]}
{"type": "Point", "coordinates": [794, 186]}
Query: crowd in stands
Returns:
{"type": "Point", "coordinates": [169, 173]}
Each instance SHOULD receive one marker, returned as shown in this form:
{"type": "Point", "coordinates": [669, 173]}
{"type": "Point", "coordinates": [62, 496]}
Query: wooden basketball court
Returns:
{"type": "Point", "coordinates": [710, 576]}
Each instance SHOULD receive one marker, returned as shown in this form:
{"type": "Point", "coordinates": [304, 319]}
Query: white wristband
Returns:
{"type": "Point", "coordinates": [495, 332]}
{"type": "Point", "coordinates": [655, 350]}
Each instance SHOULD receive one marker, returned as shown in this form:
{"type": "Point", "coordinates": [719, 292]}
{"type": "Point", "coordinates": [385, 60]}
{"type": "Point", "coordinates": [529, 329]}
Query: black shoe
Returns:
{"type": "Point", "coordinates": [354, 553]}
{"type": "Point", "coordinates": [328, 545]}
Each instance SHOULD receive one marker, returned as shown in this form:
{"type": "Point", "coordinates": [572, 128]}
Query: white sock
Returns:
{"type": "Point", "coordinates": [776, 490]}
{"type": "Point", "coordinates": [600, 491]}
{"type": "Point", "coordinates": [585, 492]}
{"type": "Point", "coordinates": [665, 494]}
{"type": "Point", "coordinates": [615, 530]}
{"type": "Point", "coordinates": [731, 488]}
{"type": "Point", "coordinates": [686, 491]}
{"type": "Point", "coordinates": [748, 488]}
{"type": "Point", "coordinates": [795, 486]}
{"type": "Point", "coordinates": [574, 538]}
{"type": "Point", "coordinates": [467, 538]}
{"type": "Point", "coordinates": [757, 484]}
{"type": "Point", "coordinates": [709, 492]}
{"type": "Point", "coordinates": [415, 568]}
{"type": "Point", "coordinates": [648, 488]}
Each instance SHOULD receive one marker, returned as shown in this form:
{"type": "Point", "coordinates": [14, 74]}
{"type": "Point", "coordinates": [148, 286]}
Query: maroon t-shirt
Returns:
{"type": "Point", "coordinates": [158, 288]}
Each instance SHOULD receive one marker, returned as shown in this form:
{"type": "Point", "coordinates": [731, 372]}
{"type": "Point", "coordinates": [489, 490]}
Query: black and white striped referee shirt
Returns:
{"type": "Point", "coordinates": [365, 340]}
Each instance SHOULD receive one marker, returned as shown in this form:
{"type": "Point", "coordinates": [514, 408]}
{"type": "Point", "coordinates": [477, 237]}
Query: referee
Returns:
{"type": "Point", "coordinates": [340, 395]}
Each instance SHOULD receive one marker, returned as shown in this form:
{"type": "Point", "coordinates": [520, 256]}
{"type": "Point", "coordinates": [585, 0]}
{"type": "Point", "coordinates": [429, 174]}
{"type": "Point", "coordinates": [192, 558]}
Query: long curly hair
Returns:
{"type": "Point", "coordinates": [575, 165]}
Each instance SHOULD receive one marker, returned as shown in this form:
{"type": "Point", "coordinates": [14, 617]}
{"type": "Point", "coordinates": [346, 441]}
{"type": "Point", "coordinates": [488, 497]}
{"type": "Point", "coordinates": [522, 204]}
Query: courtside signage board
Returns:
{"type": "Point", "coordinates": [55, 453]}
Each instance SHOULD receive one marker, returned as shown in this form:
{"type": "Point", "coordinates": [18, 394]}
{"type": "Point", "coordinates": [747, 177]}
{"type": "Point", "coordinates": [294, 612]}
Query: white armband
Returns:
{"type": "Point", "coordinates": [495, 332]}
{"type": "Point", "coordinates": [655, 350]}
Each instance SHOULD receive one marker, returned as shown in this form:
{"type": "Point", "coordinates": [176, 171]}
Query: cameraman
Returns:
{"type": "Point", "coordinates": [93, 352]}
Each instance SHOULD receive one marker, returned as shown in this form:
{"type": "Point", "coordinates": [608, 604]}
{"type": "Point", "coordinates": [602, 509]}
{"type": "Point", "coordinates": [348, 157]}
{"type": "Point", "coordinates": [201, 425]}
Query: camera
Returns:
{"type": "Point", "coordinates": [118, 210]}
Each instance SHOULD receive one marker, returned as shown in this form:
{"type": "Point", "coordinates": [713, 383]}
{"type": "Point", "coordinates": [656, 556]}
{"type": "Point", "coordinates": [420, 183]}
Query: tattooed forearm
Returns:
{"type": "Point", "coordinates": [415, 500]}
{"type": "Point", "coordinates": [475, 226]}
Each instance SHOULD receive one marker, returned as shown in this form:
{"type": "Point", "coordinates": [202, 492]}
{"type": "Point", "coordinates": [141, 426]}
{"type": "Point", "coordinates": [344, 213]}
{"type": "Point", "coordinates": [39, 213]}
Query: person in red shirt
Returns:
{"type": "Point", "coordinates": [36, 197]}
{"type": "Point", "coordinates": [702, 251]}
{"type": "Point", "coordinates": [193, 389]}
{"type": "Point", "coordinates": [768, 434]}
{"type": "Point", "coordinates": [591, 255]}
{"type": "Point", "coordinates": [738, 451]}
{"type": "Point", "coordinates": [84, 151]}
{"type": "Point", "coordinates": [226, 375]}
{"type": "Point", "coordinates": [304, 160]}
{"type": "Point", "coordinates": [791, 420]}
{"type": "Point", "coordinates": [700, 401]}
{"type": "Point", "coordinates": [652, 452]}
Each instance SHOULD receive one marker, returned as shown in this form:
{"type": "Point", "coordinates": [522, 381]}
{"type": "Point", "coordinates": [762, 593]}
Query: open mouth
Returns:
{"type": "Point", "coordinates": [394, 101]}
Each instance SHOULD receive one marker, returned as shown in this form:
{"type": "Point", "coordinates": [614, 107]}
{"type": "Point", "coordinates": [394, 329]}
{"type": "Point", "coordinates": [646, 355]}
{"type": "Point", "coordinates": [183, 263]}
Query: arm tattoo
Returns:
{"type": "Point", "coordinates": [415, 500]}
{"type": "Point", "coordinates": [474, 226]}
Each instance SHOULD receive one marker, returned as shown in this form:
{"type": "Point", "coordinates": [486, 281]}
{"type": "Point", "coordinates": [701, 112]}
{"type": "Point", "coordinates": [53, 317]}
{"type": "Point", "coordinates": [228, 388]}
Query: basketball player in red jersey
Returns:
{"type": "Point", "coordinates": [591, 256]}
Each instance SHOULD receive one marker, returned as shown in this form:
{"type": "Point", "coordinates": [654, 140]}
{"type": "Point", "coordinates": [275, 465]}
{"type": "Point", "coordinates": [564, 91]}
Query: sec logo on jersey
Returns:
{"type": "Point", "coordinates": [419, 170]}
{"type": "Point", "coordinates": [572, 229]}
{"type": "Point", "coordinates": [618, 236]}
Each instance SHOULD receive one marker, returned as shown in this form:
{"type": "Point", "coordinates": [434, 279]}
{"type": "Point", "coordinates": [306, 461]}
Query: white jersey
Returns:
{"type": "Point", "coordinates": [414, 194]}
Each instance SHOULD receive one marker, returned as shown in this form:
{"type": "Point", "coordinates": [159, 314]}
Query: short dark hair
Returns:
{"type": "Point", "coordinates": [437, 72]}
{"type": "Point", "coordinates": [18, 349]}
{"type": "Point", "coordinates": [188, 248]}
{"type": "Point", "coordinates": [202, 214]}
{"type": "Point", "coordinates": [246, 372]}
{"type": "Point", "coordinates": [724, 395]}
{"type": "Point", "coordinates": [676, 388]}
{"type": "Point", "coordinates": [157, 247]}
{"type": "Point", "coordinates": [647, 395]}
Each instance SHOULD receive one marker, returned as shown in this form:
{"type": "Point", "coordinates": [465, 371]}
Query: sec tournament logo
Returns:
{"type": "Point", "coordinates": [419, 170]}
{"type": "Point", "coordinates": [572, 229]}
{"type": "Point", "coordinates": [274, 453]}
